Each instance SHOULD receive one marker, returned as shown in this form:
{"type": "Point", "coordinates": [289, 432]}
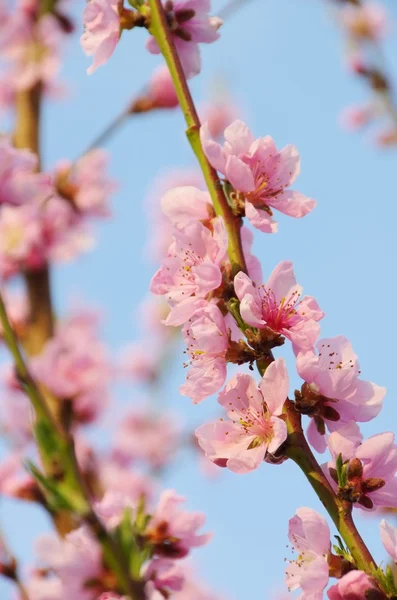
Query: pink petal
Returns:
{"type": "Point", "coordinates": [388, 536]}
{"type": "Point", "coordinates": [238, 138]}
{"type": "Point", "coordinates": [282, 280]}
{"type": "Point", "coordinates": [345, 441]}
{"type": "Point", "coordinates": [213, 151]}
{"type": "Point", "coordinates": [239, 174]}
{"type": "Point", "coordinates": [205, 377]}
{"type": "Point", "coordinates": [280, 434]}
{"type": "Point", "coordinates": [207, 277]}
{"type": "Point", "coordinates": [309, 531]}
{"type": "Point", "coordinates": [379, 454]}
{"type": "Point", "coordinates": [275, 385]}
{"type": "Point", "coordinates": [184, 310]}
{"type": "Point", "coordinates": [260, 219]}
{"type": "Point", "coordinates": [315, 439]}
{"type": "Point", "coordinates": [184, 204]}
{"type": "Point", "coordinates": [292, 203]}
{"type": "Point", "coordinates": [189, 53]}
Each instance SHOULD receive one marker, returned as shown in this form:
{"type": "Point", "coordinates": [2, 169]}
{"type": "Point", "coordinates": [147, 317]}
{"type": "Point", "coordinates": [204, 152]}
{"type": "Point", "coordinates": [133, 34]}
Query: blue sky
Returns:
{"type": "Point", "coordinates": [283, 64]}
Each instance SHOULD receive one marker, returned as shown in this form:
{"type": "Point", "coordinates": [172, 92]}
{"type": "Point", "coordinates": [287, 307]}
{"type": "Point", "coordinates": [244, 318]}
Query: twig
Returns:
{"type": "Point", "coordinates": [59, 452]}
{"type": "Point", "coordinates": [159, 28]}
{"type": "Point", "coordinates": [297, 447]}
{"type": "Point", "coordinates": [13, 572]}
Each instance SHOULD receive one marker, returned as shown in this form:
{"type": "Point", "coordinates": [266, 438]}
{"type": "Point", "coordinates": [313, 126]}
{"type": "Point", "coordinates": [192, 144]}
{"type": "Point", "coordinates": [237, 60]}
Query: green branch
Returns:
{"type": "Point", "coordinates": [160, 30]}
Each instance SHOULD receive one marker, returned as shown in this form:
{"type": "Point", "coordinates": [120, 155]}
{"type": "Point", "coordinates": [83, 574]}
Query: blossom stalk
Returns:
{"type": "Point", "coordinates": [160, 30]}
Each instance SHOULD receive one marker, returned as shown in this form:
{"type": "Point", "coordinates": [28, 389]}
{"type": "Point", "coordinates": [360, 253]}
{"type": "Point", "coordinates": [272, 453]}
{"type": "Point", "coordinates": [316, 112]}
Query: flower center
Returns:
{"type": "Point", "coordinates": [279, 315]}
{"type": "Point", "coordinates": [12, 239]}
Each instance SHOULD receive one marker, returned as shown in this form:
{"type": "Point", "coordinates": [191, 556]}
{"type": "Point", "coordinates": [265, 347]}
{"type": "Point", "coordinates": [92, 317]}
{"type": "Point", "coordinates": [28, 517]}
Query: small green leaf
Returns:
{"type": "Point", "coordinates": [54, 497]}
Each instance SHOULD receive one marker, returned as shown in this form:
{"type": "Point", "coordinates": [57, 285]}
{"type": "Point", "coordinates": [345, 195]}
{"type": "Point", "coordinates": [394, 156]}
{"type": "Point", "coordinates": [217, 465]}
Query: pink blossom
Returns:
{"type": "Point", "coordinates": [19, 183]}
{"type": "Point", "coordinates": [161, 90]}
{"type": "Point", "coordinates": [387, 138]}
{"type": "Point", "coordinates": [352, 586]}
{"type": "Point", "coordinates": [185, 204]}
{"type": "Point", "coordinates": [63, 233]}
{"type": "Point", "coordinates": [125, 481]}
{"type": "Point", "coordinates": [259, 173]}
{"type": "Point", "coordinates": [218, 114]}
{"type": "Point", "coordinates": [192, 268]}
{"type": "Point", "coordinates": [101, 30]}
{"type": "Point", "coordinates": [162, 229]}
{"type": "Point", "coordinates": [336, 393]}
{"type": "Point", "coordinates": [356, 117]}
{"type": "Point", "coordinates": [310, 536]}
{"type": "Point", "coordinates": [163, 576]}
{"type": "Point", "coordinates": [254, 426]}
{"type": "Point", "coordinates": [278, 306]}
{"type": "Point", "coordinates": [15, 481]}
{"type": "Point", "coordinates": [74, 365]}
{"type": "Point", "coordinates": [141, 363]}
{"type": "Point", "coordinates": [86, 184]}
{"type": "Point", "coordinates": [111, 508]}
{"type": "Point", "coordinates": [207, 339]}
{"type": "Point", "coordinates": [20, 238]}
{"type": "Point", "coordinates": [76, 559]}
{"type": "Point", "coordinates": [172, 530]}
{"type": "Point", "coordinates": [254, 267]}
{"type": "Point", "coordinates": [44, 588]}
{"type": "Point", "coordinates": [147, 436]}
{"type": "Point", "coordinates": [193, 589]}
{"type": "Point", "coordinates": [367, 21]}
{"type": "Point", "coordinates": [374, 483]}
{"type": "Point", "coordinates": [34, 233]}
{"type": "Point", "coordinates": [190, 25]}
{"type": "Point", "coordinates": [17, 46]}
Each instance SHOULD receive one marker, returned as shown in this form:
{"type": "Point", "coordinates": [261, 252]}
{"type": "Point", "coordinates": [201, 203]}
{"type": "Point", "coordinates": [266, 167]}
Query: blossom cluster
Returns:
{"type": "Point", "coordinates": [30, 48]}
{"type": "Point", "coordinates": [366, 25]}
{"type": "Point", "coordinates": [230, 317]}
{"type": "Point", "coordinates": [210, 287]}
{"type": "Point", "coordinates": [44, 217]}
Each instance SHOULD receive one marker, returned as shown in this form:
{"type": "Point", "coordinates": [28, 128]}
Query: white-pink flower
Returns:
{"type": "Point", "coordinates": [192, 268]}
{"type": "Point", "coordinates": [259, 172]}
{"type": "Point", "coordinates": [207, 340]}
{"type": "Point", "coordinates": [254, 425]}
{"type": "Point", "coordinates": [163, 576]}
{"type": "Point", "coordinates": [190, 25]}
{"type": "Point", "coordinates": [101, 30]}
{"type": "Point", "coordinates": [185, 204]}
{"type": "Point", "coordinates": [161, 90]}
{"type": "Point", "coordinates": [278, 305]}
{"type": "Point", "coordinates": [19, 183]}
{"type": "Point", "coordinates": [310, 536]}
{"type": "Point", "coordinates": [218, 114]}
{"type": "Point", "coordinates": [87, 184]}
{"type": "Point", "coordinates": [161, 226]}
{"type": "Point", "coordinates": [335, 394]}
{"type": "Point", "coordinates": [146, 435]}
{"type": "Point", "coordinates": [20, 238]}
{"type": "Point", "coordinates": [76, 560]}
{"type": "Point", "coordinates": [18, 45]}
{"type": "Point", "coordinates": [365, 21]}
{"type": "Point", "coordinates": [172, 530]}
{"type": "Point", "coordinates": [352, 586]}
{"type": "Point", "coordinates": [74, 365]}
{"type": "Point", "coordinates": [372, 470]}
